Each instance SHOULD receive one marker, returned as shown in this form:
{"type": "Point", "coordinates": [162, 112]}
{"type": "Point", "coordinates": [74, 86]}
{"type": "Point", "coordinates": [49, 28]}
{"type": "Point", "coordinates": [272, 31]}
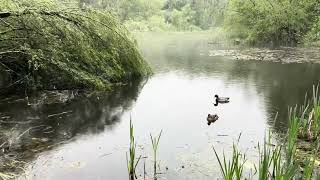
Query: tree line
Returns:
{"type": "Point", "coordinates": [274, 22]}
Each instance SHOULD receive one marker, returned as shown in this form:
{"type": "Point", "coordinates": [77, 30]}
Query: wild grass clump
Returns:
{"type": "Point", "coordinates": [47, 45]}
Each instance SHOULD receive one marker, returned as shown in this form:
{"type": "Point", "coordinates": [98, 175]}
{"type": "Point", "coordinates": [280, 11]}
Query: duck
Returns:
{"type": "Point", "coordinates": [212, 118]}
{"type": "Point", "coordinates": [221, 99]}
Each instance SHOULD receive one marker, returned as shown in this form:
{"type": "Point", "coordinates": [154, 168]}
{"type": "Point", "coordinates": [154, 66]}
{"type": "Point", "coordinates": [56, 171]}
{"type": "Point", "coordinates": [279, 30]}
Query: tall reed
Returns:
{"type": "Point", "coordinates": [155, 145]}
{"type": "Point", "coordinates": [131, 161]}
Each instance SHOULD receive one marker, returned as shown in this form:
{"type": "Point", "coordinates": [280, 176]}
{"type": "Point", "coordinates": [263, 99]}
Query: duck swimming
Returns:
{"type": "Point", "coordinates": [212, 118]}
{"type": "Point", "coordinates": [221, 99]}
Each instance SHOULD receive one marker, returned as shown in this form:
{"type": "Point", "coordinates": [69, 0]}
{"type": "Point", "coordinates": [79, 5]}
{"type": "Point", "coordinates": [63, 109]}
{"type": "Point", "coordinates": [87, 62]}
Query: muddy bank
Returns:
{"type": "Point", "coordinates": [281, 55]}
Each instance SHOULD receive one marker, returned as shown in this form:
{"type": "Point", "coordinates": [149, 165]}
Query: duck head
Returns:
{"type": "Point", "coordinates": [216, 96]}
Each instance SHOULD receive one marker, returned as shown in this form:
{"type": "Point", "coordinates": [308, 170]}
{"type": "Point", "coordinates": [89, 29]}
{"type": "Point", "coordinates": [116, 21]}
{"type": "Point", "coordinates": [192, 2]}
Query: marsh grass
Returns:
{"type": "Point", "coordinates": [131, 161]}
{"type": "Point", "coordinates": [308, 117]}
{"type": "Point", "coordinates": [272, 164]}
{"type": "Point", "coordinates": [155, 145]}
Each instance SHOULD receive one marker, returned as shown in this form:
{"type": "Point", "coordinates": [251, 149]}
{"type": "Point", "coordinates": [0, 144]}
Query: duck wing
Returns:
{"type": "Point", "coordinates": [224, 98]}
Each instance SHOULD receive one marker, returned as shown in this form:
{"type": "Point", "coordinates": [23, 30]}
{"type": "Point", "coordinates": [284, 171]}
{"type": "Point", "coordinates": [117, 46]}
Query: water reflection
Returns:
{"type": "Point", "coordinates": [47, 119]}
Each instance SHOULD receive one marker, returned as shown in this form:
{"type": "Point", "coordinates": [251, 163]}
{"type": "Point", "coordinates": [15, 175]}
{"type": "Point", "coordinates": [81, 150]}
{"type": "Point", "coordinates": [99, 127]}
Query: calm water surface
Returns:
{"type": "Point", "coordinates": [89, 140]}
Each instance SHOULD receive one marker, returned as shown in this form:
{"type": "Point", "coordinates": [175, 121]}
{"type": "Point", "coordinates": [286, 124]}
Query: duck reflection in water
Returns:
{"type": "Point", "coordinates": [216, 103]}
{"type": "Point", "coordinates": [221, 100]}
{"type": "Point", "coordinates": [211, 118]}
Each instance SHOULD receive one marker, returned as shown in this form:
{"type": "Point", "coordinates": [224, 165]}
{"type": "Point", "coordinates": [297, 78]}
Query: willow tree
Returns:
{"type": "Point", "coordinates": [48, 45]}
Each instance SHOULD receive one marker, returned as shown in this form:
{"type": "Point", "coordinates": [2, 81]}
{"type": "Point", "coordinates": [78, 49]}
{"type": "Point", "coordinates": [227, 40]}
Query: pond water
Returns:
{"type": "Point", "coordinates": [87, 136]}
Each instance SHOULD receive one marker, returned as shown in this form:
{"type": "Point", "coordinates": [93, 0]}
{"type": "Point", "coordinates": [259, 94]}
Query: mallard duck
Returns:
{"type": "Point", "coordinates": [212, 118]}
{"type": "Point", "coordinates": [221, 99]}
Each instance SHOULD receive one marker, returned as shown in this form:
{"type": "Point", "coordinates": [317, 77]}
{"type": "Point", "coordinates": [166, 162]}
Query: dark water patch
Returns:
{"type": "Point", "coordinates": [45, 120]}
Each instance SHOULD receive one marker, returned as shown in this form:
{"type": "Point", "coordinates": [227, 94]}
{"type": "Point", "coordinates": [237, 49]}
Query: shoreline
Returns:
{"type": "Point", "coordinates": [284, 55]}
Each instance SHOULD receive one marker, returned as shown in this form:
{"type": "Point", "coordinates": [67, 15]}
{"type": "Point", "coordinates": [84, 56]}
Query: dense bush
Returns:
{"type": "Point", "coordinates": [274, 22]}
{"type": "Point", "coordinates": [313, 36]}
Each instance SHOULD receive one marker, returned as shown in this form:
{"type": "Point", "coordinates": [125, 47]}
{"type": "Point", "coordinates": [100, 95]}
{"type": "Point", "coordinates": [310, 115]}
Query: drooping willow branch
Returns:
{"type": "Point", "coordinates": [65, 15]}
{"type": "Point", "coordinates": [62, 15]}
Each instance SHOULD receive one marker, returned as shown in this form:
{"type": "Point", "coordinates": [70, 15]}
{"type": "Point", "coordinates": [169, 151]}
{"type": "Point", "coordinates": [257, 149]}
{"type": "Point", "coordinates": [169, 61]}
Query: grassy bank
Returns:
{"type": "Point", "coordinates": [49, 45]}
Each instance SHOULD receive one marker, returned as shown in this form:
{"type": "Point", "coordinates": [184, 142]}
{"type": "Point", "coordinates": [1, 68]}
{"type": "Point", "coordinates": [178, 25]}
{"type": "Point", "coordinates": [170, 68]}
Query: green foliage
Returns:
{"type": "Point", "coordinates": [154, 23]}
{"type": "Point", "coordinates": [165, 15]}
{"type": "Point", "coordinates": [203, 14]}
{"type": "Point", "coordinates": [47, 45]}
{"type": "Point", "coordinates": [273, 22]}
{"type": "Point", "coordinates": [314, 34]}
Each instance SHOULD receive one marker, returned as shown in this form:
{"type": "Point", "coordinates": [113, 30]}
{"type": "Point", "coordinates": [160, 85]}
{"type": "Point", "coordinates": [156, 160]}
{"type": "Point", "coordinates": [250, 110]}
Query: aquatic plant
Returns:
{"type": "Point", "coordinates": [234, 167]}
{"type": "Point", "coordinates": [131, 161]}
{"type": "Point", "coordinates": [155, 145]}
{"type": "Point", "coordinates": [49, 45]}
